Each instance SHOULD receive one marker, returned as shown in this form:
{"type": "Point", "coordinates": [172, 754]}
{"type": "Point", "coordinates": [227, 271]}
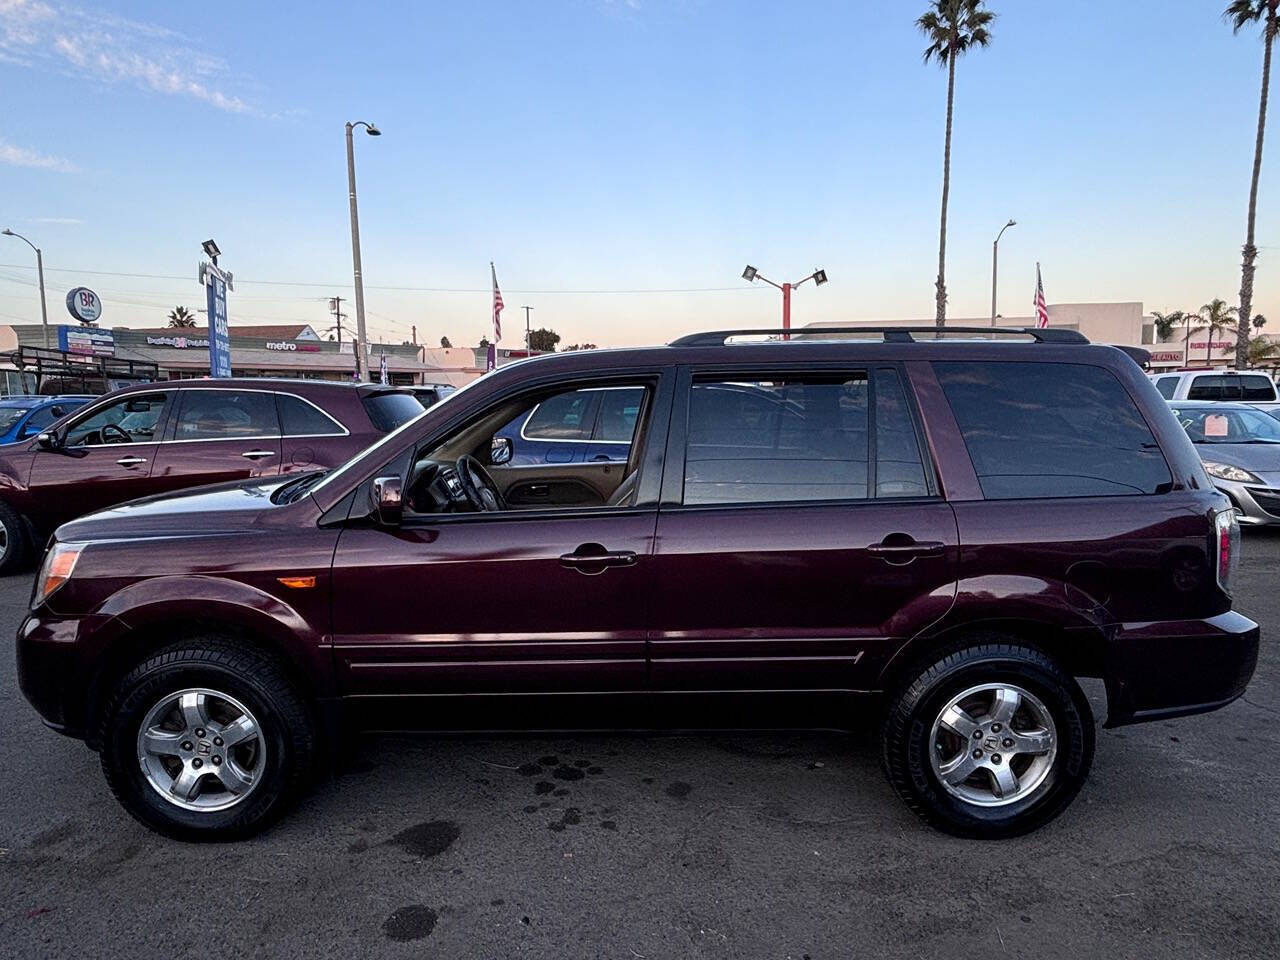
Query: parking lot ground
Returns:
{"type": "Point", "coordinates": [768, 846]}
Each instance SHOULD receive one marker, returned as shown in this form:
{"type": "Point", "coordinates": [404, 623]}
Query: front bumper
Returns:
{"type": "Point", "coordinates": [54, 668]}
{"type": "Point", "coordinates": [1178, 667]}
{"type": "Point", "coordinates": [1256, 504]}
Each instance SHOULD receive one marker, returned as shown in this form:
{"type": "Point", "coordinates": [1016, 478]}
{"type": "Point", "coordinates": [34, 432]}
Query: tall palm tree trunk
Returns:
{"type": "Point", "coordinates": [941, 315]}
{"type": "Point", "coordinates": [1251, 251]}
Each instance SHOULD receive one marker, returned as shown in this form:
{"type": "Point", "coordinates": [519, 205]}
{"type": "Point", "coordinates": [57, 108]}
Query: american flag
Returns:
{"type": "Point", "coordinates": [1042, 311]}
{"type": "Point", "coordinates": [497, 305]}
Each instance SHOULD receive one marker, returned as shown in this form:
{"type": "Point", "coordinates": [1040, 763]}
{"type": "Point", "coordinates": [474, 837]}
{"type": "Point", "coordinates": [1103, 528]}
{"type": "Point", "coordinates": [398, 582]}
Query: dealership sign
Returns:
{"type": "Point", "coordinates": [84, 305]}
{"type": "Point", "coordinates": [87, 341]}
{"type": "Point", "coordinates": [217, 282]}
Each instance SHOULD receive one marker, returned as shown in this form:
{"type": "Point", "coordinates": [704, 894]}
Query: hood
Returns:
{"type": "Point", "coordinates": [1260, 459]}
{"type": "Point", "coordinates": [225, 507]}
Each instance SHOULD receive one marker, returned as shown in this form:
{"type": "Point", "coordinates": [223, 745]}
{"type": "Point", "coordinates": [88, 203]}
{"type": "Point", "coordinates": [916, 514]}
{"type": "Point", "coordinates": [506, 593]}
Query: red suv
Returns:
{"type": "Point", "coordinates": [960, 529]}
{"type": "Point", "coordinates": [159, 437]}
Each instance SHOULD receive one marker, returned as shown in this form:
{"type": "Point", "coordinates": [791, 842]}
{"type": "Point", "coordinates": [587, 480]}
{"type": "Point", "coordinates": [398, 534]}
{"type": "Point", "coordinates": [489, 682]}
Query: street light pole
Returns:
{"type": "Point", "coordinates": [995, 255]}
{"type": "Point", "coordinates": [528, 337]}
{"type": "Point", "coordinates": [44, 310]}
{"type": "Point", "coordinates": [362, 360]}
{"type": "Point", "coordinates": [819, 277]}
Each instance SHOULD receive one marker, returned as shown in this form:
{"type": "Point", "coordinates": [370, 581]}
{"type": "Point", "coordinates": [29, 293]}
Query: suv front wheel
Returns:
{"type": "Point", "coordinates": [206, 740]}
{"type": "Point", "coordinates": [992, 740]}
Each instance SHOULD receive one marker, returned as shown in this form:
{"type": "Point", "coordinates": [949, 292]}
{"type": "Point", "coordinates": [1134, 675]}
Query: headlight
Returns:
{"type": "Point", "coordinates": [1225, 471]}
{"type": "Point", "coordinates": [56, 570]}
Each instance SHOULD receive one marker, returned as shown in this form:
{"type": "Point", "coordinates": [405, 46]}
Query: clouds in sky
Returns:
{"type": "Point", "coordinates": [23, 157]}
{"type": "Point", "coordinates": [111, 49]}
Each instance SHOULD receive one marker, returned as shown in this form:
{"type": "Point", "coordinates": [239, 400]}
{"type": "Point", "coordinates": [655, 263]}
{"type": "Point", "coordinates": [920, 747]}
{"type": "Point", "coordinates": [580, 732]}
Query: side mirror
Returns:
{"type": "Point", "coordinates": [500, 451]}
{"type": "Point", "coordinates": [387, 502]}
{"type": "Point", "coordinates": [47, 440]}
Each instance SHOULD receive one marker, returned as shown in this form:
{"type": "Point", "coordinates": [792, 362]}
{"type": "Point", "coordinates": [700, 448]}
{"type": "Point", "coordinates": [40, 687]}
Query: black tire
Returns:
{"type": "Point", "coordinates": [17, 551]}
{"type": "Point", "coordinates": [229, 667]}
{"type": "Point", "coordinates": [982, 659]}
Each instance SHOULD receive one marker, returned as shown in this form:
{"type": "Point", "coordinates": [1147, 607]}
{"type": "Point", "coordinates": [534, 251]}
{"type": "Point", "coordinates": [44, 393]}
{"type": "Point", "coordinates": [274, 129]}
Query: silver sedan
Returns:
{"type": "Point", "coordinates": [1240, 447]}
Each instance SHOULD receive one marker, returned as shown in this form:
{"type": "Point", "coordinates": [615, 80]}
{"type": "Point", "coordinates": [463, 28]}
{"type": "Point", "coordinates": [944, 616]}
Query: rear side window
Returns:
{"type": "Point", "coordinates": [566, 416]}
{"type": "Point", "coordinates": [1052, 430]}
{"type": "Point", "coordinates": [391, 409]}
{"type": "Point", "coordinates": [616, 421]}
{"type": "Point", "coordinates": [777, 441]}
{"type": "Point", "coordinates": [1167, 386]}
{"type": "Point", "coordinates": [224, 414]}
{"type": "Point", "coordinates": [298, 418]}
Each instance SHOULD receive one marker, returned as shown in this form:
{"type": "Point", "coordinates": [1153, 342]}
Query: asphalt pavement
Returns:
{"type": "Point", "coordinates": [768, 846]}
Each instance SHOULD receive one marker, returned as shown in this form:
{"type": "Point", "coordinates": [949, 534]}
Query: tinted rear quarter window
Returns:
{"type": "Point", "coordinates": [1167, 386]}
{"type": "Point", "coordinates": [1257, 387]}
{"type": "Point", "coordinates": [298, 418]}
{"type": "Point", "coordinates": [391, 409]}
{"type": "Point", "coordinates": [1052, 430]}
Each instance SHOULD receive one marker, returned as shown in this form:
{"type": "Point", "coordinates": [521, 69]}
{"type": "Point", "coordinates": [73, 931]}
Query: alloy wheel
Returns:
{"type": "Point", "coordinates": [201, 749]}
{"type": "Point", "coordinates": [993, 744]}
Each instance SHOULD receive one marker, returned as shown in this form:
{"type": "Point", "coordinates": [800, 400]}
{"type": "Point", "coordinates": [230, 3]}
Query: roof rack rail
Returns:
{"type": "Point", "coordinates": [718, 338]}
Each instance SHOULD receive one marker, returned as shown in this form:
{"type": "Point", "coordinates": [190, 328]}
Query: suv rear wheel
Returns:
{"type": "Point", "coordinates": [206, 740]}
{"type": "Point", "coordinates": [991, 740]}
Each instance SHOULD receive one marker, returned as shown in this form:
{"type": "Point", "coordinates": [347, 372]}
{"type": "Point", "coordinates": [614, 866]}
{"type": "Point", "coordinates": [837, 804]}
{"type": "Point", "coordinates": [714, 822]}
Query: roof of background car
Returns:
{"type": "Point", "coordinates": [291, 384]}
{"type": "Point", "coordinates": [1212, 404]}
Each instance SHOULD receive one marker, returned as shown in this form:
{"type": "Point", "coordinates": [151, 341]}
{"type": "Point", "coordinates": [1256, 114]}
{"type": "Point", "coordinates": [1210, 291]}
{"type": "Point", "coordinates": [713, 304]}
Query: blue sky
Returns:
{"type": "Point", "coordinates": [651, 145]}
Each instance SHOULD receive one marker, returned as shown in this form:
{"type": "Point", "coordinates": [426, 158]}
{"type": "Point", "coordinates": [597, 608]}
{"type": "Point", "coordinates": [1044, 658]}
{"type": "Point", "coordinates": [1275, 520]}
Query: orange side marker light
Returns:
{"type": "Point", "coordinates": [298, 583]}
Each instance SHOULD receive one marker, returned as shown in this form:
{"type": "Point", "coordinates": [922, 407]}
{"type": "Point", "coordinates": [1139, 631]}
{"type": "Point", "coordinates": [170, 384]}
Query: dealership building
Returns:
{"type": "Point", "coordinates": [172, 353]}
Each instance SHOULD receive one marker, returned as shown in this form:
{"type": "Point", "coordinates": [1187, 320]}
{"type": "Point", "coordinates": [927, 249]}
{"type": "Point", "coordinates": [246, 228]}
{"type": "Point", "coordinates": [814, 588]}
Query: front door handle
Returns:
{"type": "Point", "coordinates": [901, 548]}
{"type": "Point", "coordinates": [131, 461]}
{"type": "Point", "coordinates": [593, 558]}
{"type": "Point", "coordinates": [258, 454]}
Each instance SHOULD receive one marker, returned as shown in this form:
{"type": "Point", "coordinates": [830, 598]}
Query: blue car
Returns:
{"type": "Point", "coordinates": [22, 417]}
{"type": "Point", "coordinates": [582, 426]}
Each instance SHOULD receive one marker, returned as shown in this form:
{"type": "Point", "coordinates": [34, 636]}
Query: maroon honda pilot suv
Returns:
{"type": "Point", "coordinates": [159, 437]}
{"type": "Point", "coordinates": [955, 529]}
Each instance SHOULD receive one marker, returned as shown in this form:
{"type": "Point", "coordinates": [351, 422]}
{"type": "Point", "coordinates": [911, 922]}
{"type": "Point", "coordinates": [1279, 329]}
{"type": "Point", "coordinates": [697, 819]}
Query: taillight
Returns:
{"type": "Point", "coordinates": [1227, 535]}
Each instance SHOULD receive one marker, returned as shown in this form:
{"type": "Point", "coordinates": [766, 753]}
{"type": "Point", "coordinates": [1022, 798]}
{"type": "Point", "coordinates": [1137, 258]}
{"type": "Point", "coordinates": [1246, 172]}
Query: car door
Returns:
{"type": "Point", "coordinates": [219, 434]}
{"type": "Point", "coordinates": [523, 601]}
{"type": "Point", "coordinates": [801, 535]}
{"type": "Point", "coordinates": [105, 456]}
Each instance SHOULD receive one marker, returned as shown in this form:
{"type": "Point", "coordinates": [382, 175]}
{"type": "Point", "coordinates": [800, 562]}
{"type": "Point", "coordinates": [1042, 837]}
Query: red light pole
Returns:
{"type": "Point", "coordinates": [819, 277]}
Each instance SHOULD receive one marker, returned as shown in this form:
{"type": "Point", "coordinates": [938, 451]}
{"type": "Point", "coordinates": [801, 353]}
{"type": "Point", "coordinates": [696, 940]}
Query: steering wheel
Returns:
{"type": "Point", "coordinates": [110, 431]}
{"type": "Point", "coordinates": [482, 493]}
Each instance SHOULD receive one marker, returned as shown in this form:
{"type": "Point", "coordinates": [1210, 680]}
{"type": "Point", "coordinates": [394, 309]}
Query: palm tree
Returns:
{"type": "Point", "coordinates": [1262, 350]}
{"type": "Point", "coordinates": [1215, 317]}
{"type": "Point", "coordinates": [181, 317]}
{"type": "Point", "coordinates": [1165, 322]}
{"type": "Point", "coordinates": [951, 27]}
{"type": "Point", "coordinates": [1242, 13]}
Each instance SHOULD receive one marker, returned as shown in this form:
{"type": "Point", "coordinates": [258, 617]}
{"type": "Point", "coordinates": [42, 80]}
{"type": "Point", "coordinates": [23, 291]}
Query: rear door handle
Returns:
{"type": "Point", "coordinates": [258, 454]}
{"type": "Point", "coordinates": [131, 461]}
{"type": "Point", "coordinates": [591, 558]}
{"type": "Point", "coordinates": [895, 550]}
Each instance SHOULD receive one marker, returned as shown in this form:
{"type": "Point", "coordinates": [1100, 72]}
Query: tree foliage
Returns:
{"type": "Point", "coordinates": [543, 339]}
{"type": "Point", "coordinates": [181, 317]}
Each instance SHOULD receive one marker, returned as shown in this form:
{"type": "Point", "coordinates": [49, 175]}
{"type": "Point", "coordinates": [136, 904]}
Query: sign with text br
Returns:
{"type": "Point", "coordinates": [219, 337]}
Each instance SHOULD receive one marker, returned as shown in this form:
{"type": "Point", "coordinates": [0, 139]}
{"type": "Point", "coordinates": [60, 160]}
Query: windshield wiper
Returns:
{"type": "Point", "coordinates": [297, 488]}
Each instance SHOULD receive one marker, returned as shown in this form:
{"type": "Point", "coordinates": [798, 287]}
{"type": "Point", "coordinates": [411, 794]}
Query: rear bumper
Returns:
{"type": "Point", "coordinates": [1178, 667]}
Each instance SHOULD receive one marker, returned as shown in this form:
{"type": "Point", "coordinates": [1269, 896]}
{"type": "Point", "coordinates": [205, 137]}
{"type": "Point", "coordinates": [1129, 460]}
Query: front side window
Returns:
{"type": "Point", "coordinates": [131, 419]}
{"type": "Point", "coordinates": [45, 416]}
{"type": "Point", "coordinates": [1052, 430]}
{"type": "Point", "coordinates": [567, 416]}
{"type": "Point", "coordinates": [1166, 386]}
{"type": "Point", "coordinates": [777, 441]}
{"type": "Point", "coordinates": [226, 414]}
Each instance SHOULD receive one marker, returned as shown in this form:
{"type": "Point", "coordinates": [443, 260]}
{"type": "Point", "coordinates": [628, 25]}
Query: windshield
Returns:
{"type": "Point", "coordinates": [11, 415]}
{"type": "Point", "coordinates": [1228, 426]}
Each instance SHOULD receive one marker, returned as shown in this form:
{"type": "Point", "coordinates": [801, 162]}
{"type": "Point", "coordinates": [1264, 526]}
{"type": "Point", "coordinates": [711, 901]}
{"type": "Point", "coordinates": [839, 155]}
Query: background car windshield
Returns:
{"type": "Point", "coordinates": [1228, 426]}
{"type": "Point", "coordinates": [11, 415]}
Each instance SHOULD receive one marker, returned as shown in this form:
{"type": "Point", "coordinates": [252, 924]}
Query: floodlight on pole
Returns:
{"type": "Point", "coordinates": [819, 277]}
{"type": "Point", "coordinates": [211, 250]}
